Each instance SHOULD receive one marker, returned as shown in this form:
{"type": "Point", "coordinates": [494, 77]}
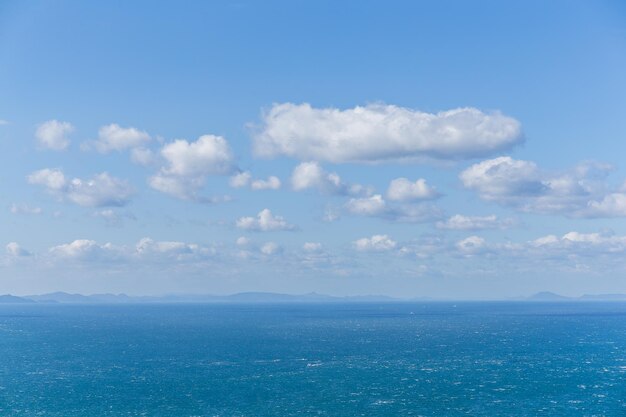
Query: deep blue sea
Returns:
{"type": "Point", "coordinates": [396, 359]}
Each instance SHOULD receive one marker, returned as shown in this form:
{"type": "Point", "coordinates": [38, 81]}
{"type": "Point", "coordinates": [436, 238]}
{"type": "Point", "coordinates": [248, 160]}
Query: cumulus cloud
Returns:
{"type": "Point", "coordinates": [244, 179]}
{"type": "Point", "coordinates": [376, 206]}
{"type": "Point", "coordinates": [401, 189]}
{"type": "Point", "coordinates": [113, 137]}
{"type": "Point", "coordinates": [146, 249]}
{"type": "Point", "coordinates": [14, 250]}
{"type": "Point", "coordinates": [579, 192]}
{"type": "Point", "coordinates": [100, 191]}
{"type": "Point", "coordinates": [460, 222]}
{"type": "Point", "coordinates": [270, 248]}
{"type": "Point", "coordinates": [312, 247]}
{"type": "Point", "coordinates": [376, 243]}
{"type": "Point", "coordinates": [187, 165]}
{"type": "Point", "coordinates": [53, 135]}
{"type": "Point", "coordinates": [265, 221]}
{"type": "Point", "coordinates": [310, 175]}
{"type": "Point", "coordinates": [368, 206]}
{"type": "Point", "coordinates": [471, 245]}
{"type": "Point", "coordinates": [379, 132]}
{"type": "Point", "coordinates": [24, 209]}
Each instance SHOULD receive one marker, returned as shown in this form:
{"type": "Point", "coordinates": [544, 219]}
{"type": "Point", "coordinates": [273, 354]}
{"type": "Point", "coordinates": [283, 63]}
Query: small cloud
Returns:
{"type": "Point", "coordinates": [113, 137]}
{"type": "Point", "coordinates": [376, 243]}
{"type": "Point", "coordinates": [53, 135]}
{"type": "Point", "coordinates": [460, 222]}
{"type": "Point", "coordinates": [24, 209]}
{"type": "Point", "coordinates": [270, 248]}
{"type": "Point", "coordinates": [401, 189]}
{"type": "Point", "coordinates": [244, 179]}
{"type": "Point", "coordinates": [265, 221]}
{"type": "Point", "coordinates": [310, 175]}
{"type": "Point", "coordinates": [14, 250]}
{"type": "Point", "coordinates": [312, 247]}
{"type": "Point", "coordinates": [100, 191]}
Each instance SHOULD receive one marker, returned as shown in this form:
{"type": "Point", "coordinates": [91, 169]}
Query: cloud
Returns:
{"type": "Point", "coordinates": [173, 250]}
{"type": "Point", "coordinates": [460, 222]}
{"type": "Point", "coordinates": [24, 209]}
{"type": "Point", "coordinates": [376, 243]}
{"type": "Point", "coordinates": [187, 165]}
{"type": "Point", "coordinates": [80, 249]}
{"type": "Point", "coordinates": [14, 250]}
{"type": "Point", "coordinates": [265, 221]}
{"type": "Point", "coordinates": [113, 218]}
{"type": "Point", "coordinates": [379, 132]}
{"type": "Point", "coordinates": [376, 206]}
{"type": "Point", "coordinates": [143, 156]}
{"type": "Point", "coordinates": [471, 245]}
{"type": "Point", "coordinates": [368, 206]}
{"type": "Point", "coordinates": [100, 191]}
{"type": "Point", "coordinates": [401, 189]}
{"type": "Point", "coordinates": [3, 122]}
{"type": "Point", "coordinates": [270, 248]}
{"type": "Point", "coordinates": [53, 135]}
{"type": "Point", "coordinates": [244, 179]}
{"type": "Point", "coordinates": [113, 137]}
{"type": "Point", "coordinates": [579, 192]}
{"type": "Point", "coordinates": [312, 247]}
{"type": "Point", "coordinates": [310, 175]}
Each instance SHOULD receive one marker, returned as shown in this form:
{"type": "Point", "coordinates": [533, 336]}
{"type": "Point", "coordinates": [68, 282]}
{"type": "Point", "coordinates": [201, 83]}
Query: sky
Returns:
{"type": "Point", "coordinates": [446, 149]}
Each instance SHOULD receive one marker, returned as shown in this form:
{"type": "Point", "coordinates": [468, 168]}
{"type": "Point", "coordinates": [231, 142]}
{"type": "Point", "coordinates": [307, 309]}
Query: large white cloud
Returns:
{"type": "Point", "coordinates": [402, 189]}
{"type": "Point", "coordinates": [53, 134]}
{"type": "Point", "coordinates": [186, 165]}
{"type": "Point", "coordinates": [99, 191]}
{"type": "Point", "coordinates": [579, 192]}
{"type": "Point", "coordinates": [375, 243]}
{"type": "Point", "coordinates": [265, 221]}
{"type": "Point", "coordinates": [113, 137]}
{"type": "Point", "coordinates": [378, 132]}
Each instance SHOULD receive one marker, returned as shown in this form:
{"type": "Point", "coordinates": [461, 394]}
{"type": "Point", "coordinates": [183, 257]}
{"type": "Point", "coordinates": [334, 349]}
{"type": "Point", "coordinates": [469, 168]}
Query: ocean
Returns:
{"type": "Point", "coordinates": [356, 359]}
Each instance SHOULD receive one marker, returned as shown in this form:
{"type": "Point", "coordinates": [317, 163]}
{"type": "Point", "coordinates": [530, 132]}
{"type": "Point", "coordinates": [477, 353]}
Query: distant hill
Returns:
{"type": "Point", "coordinates": [11, 299]}
{"type": "Point", "coordinates": [547, 296]}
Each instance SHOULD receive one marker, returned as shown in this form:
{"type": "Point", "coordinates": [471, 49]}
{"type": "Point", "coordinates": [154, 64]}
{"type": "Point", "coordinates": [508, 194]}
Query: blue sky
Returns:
{"type": "Point", "coordinates": [446, 149]}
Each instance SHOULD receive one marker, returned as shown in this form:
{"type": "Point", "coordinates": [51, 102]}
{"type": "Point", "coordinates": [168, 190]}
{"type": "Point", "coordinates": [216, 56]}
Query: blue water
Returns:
{"type": "Point", "coordinates": [431, 359]}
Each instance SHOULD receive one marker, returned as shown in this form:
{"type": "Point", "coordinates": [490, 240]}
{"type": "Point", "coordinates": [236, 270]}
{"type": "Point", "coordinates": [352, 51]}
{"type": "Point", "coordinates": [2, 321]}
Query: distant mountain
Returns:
{"type": "Point", "coordinates": [11, 299]}
{"type": "Point", "coordinates": [547, 296]}
{"type": "Point", "coordinates": [244, 297]}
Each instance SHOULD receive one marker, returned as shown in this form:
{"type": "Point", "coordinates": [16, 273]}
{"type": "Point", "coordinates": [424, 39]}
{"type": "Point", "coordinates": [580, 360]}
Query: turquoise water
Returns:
{"type": "Point", "coordinates": [430, 359]}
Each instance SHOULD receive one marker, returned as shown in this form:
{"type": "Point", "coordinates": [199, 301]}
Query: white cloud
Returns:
{"type": "Point", "coordinates": [401, 189]}
{"type": "Point", "coordinates": [24, 209]}
{"type": "Point", "coordinates": [14, 250]}
{"type": "Point", "coordinates": [579, 192]}
{"type": "Point", "coordinates": [460, 222]}
{"type": "Point", "coordinates": [265, 221]}
{"type": "Point", "coordinates": [113, 137]}
{"type": "Point", "coordinates": [309, 175]}
{"type": "Point", "coordinates": [3, 122]}
{"type": "Point", "coordinates": [240, 179]}
{"type": "Point", "coordinates": [270, 248]}
{"type": "Point", "coordinates": [180, 251]}
{"type": "Point", "coordinates": [312, 247]}
{"type": "Point", "coordinates": [100, 191]}
{"type": "Point", "coordinates": [78, 249]}
{"type": "Point", "coordinates": [244, 179]}
{"type": "Point", "coordinates": [368, 206]}
{"type": "Point", "coordinates": [378, 132]}
{"type": "Point", "coordinates": [143, 156]}
{"type": "Point", "coordinates": [112, 217]}
{"type": "Point", "coordinates": [53, 135]}
{"type": "Point", "coordinates": [271, 183]}
{"type": "Point", "coordinates": [376, 243]}
{"type": "Point", "coordinates": [242, 241]}
{"type": "Point", "coordinates": [376, 206]}
{"type": "Point", "coordinates": [471, 245]}
{"type": "Point", "coordinates": [187, 165]}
